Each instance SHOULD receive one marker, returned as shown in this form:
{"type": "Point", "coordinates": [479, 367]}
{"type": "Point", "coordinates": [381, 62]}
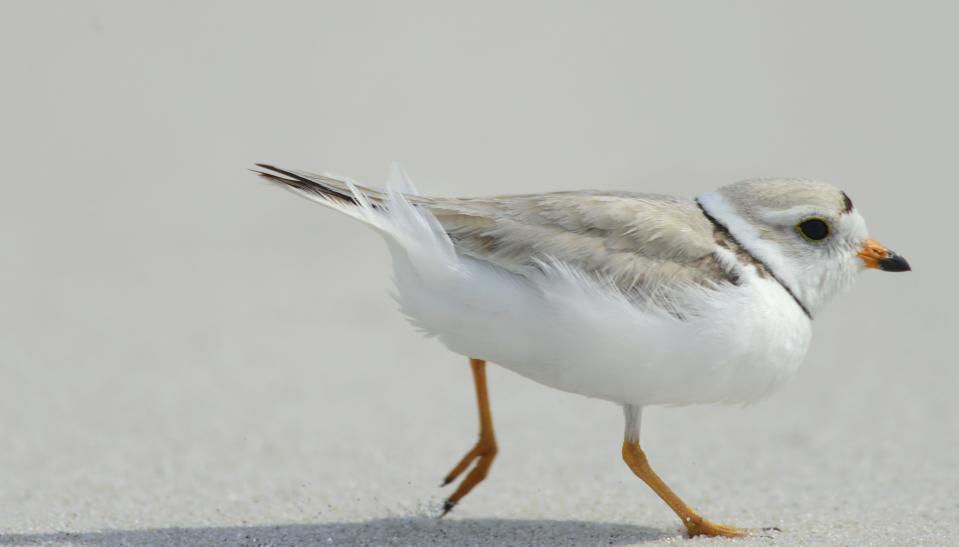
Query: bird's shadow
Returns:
{"type": "Point", "coordinates": [389, 531]}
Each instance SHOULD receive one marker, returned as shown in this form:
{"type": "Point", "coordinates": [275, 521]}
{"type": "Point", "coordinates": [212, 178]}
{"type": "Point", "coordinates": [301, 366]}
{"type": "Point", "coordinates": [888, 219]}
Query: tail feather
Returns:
{"type": "Point", "coordinates": [334, 192]}
{"type": "Point", "coordinates": [317, 186]}
{"type": "Point", "coordinates": [399, 213]}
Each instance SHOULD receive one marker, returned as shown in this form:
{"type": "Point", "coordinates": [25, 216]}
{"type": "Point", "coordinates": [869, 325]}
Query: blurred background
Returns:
{"type": "Point", "coordinates": [184, 346]}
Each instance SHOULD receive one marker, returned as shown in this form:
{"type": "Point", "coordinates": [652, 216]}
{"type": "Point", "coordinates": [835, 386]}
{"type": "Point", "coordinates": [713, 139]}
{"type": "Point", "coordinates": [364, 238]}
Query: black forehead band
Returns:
{"type": "Point", "coordinates": [847, 203]}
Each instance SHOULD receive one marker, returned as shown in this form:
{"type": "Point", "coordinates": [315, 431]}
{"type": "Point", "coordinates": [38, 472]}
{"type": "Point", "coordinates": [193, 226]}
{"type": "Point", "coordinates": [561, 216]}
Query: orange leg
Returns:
{"type": "Point", "coordinates": [695, 524]}
{"type": "Point", "coordinates": [635, 458]}
{"type": "Point", "coordinates": [485, 449]}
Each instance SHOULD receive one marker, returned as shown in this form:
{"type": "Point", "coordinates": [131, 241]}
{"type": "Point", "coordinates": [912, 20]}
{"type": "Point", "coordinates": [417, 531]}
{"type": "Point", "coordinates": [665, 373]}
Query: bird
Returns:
{"type": "Point", "coordinates": [639, 299]}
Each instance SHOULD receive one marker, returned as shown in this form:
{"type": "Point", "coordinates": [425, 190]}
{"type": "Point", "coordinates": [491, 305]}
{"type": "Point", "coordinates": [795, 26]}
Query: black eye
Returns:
{"type": "Point", "coordinates": [815, 229]}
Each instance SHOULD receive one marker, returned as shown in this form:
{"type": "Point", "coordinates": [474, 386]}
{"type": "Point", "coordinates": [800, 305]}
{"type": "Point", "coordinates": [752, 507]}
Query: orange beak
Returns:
{"type": "Point", "coordinates": [879, 257]}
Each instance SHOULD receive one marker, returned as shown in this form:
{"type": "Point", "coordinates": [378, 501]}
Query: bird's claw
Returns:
{"type": "Point", "coordinates": [448, 506]}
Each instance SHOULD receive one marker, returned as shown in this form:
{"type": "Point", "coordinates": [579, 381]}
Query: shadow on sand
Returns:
{"type": "Point", "coordinates": [391, 531]}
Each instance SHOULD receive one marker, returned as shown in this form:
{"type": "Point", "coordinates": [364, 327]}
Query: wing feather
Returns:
{"type": "Point", "coordinates": [643, 243]}
{"type": "Point", "coordinates": [640, 242]}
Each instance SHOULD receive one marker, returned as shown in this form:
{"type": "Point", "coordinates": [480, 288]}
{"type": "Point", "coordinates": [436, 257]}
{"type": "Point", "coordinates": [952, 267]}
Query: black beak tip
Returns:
{"type": "Point", "coordinates": [894, 263]}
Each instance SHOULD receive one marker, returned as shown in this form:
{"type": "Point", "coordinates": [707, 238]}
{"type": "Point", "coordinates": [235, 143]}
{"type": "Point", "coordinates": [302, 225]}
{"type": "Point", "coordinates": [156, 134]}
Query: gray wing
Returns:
{"type": "Point", "coordinates": [641, 242]}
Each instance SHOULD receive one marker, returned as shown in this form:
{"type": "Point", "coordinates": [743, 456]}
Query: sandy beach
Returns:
{"type": "Point", "coordinates": [191, 357]}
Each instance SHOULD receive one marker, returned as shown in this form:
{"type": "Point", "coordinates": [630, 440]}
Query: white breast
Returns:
{"type": "Point", "coordinates": [734, 344]}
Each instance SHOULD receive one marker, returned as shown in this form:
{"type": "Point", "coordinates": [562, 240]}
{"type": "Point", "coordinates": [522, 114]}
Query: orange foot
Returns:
{"type": "Point", "coordinates": [698, 526]}
{"type": "Point", "coordinates": [702, 527]}
{"type": "Point", "coordinates": [483, 454]}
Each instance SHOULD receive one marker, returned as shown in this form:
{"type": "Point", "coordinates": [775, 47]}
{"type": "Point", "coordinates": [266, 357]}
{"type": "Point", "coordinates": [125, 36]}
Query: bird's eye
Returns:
{"type": "Point", "coordinates": [815, 229]}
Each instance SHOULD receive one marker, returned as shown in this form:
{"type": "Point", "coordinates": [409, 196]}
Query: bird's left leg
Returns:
{"type": "Point", "coordinates": [485, 449]}
{"type": "Point", "coordinates": [635, 458]}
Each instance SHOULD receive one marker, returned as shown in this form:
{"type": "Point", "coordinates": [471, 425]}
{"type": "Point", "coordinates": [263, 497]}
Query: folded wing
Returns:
{"type": "Point", "coordinates": [640, 242]}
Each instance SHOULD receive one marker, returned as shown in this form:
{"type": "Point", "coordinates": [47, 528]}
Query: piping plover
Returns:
{"type": "Point", "coordinates": [638, 299]}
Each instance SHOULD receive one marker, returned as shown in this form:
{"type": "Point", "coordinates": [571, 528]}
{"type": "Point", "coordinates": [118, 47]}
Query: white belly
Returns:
{"type": "Point", "coordinates": [735, 345]}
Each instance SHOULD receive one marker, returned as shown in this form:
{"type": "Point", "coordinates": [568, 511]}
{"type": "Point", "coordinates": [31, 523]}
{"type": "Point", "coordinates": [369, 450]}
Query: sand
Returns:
{"type": "Point", "coordinates": [247, 432]}
{"type": "Point", "coordinates": [189, 357]}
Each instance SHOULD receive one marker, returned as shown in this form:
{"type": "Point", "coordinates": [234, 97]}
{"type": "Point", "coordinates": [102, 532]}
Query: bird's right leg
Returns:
{"type": "Point", "coordinates": [485, 449]}
{"type": "Point", "coordinates": [635, 458]}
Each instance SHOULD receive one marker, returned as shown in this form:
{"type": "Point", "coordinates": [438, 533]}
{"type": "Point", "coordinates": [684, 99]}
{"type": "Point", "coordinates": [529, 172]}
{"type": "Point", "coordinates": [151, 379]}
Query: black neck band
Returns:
{"type": "Point", "coordinates": [719, 226]}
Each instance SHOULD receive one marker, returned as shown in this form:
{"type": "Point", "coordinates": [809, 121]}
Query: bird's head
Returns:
{"type": "Point", "coordinates": [808, 234]}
